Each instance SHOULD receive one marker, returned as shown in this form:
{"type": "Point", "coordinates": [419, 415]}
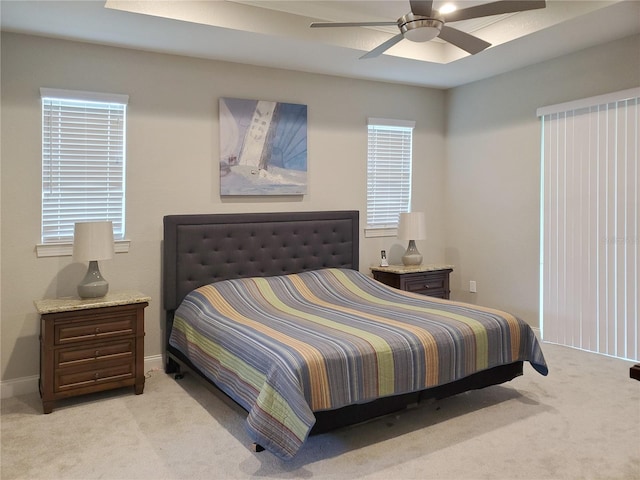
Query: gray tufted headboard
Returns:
{"type": "Point", "coordinates": [201, 249]}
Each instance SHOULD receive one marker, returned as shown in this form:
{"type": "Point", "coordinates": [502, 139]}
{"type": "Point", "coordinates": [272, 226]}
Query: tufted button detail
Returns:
{"type": "Point", "coordinates": [213, 252]}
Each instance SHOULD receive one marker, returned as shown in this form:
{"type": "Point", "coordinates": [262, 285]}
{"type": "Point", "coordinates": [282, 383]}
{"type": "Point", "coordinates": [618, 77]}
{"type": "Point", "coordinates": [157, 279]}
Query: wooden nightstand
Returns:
{"type": "Point", "coordinates": [431, 280]}
{"type": "Point", "coordinates": [91, 345]}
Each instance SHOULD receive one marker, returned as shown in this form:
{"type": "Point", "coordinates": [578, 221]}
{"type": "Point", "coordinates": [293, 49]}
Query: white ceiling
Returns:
{"type": "Point", "coordinates": [277, 34]}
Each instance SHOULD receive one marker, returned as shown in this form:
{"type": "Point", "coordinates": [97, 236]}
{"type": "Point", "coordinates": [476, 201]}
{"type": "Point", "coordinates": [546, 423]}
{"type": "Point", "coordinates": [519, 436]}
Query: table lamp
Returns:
{"type": "Point", "coordinates": [412, 227]}
{"type": "Point", "coordinates": [93, 241]}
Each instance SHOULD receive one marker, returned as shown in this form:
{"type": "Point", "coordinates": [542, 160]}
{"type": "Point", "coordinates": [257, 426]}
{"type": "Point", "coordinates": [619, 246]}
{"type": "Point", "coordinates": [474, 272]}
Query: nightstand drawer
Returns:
{"type": "Point", "coordinates": [437, 293]}
{"type": "Point", "coordinates": [70, 378]}
{"type": "Point", "coordinates": [425, 283]}
{"type": "Point", "coordinates": [67, 357]}
{"type": "Point", "coordinates": [97, 328]}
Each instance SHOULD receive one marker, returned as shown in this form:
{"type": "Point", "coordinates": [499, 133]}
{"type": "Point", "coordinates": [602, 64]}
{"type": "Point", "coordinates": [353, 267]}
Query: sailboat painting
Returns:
{"type": "Point", "coordinates": [263, 147]}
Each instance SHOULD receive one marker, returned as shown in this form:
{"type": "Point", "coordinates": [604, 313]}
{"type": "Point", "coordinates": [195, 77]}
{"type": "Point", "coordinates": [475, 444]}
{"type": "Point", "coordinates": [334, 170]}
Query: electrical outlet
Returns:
{"type": "Point", "coordinates": [472, 286]}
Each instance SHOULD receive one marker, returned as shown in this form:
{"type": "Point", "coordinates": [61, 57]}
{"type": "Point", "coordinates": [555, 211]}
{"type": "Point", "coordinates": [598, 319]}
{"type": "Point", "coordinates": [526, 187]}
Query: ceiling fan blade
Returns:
{"type": "Point", "coordinates": [422, 8]}
{"type": "Point", "coordinates": [463, 40]}
{"type": "Point", "coordinates": [351, 24]}
{"type": "Point", "coordinates": [383, 47]}
{"type": "Point", "coordinates": [494, 8]}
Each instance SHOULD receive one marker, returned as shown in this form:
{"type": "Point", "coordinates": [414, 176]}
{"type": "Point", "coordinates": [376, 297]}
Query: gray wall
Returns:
{"type": "Point", "coordinates": [493, 169]}
{"type": "Point", "coordinates": [172, 140]}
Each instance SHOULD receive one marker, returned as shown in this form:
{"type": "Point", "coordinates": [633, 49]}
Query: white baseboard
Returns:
{"type": "Point", "coordinates": [19, 386]}
{"type": "Point", "coordinates": [153, 362]}
{"type": "Point", "coordinates": [27, 385]}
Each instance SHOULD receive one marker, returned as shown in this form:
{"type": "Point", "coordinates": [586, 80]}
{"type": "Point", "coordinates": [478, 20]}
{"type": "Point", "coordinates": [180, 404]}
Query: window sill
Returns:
{"type": "Point", "coordinates": [380, 232]}
{"type": "Point", "coordinates": [66, 249]}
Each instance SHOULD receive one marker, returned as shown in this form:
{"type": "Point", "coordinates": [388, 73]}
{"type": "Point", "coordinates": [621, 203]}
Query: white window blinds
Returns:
{"type": "Point", "coordinates": [83, 161]}
{"type": "Point", "coordinates": [590, 276]}
{"type": "Point", "coordinates": [388, 171]}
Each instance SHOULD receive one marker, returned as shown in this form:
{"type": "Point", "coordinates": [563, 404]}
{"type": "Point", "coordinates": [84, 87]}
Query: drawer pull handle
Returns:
{"type": "Point", "coordinates": [97, 330]}
{"type": "Point", "coordinates": [96, 375]}
{"type": "Point", "coordinates": [97, 353]}
{"type": "Point", "coordinates": [427, 286]}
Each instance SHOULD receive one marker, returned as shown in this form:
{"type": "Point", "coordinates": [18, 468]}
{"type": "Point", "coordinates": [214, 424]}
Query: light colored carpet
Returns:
{"type": "Point", "coordinates": [580, 422]}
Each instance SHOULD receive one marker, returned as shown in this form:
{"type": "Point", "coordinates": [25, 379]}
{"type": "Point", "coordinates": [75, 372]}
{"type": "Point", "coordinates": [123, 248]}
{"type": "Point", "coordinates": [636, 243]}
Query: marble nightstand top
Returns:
{"type": "Point", "coordinates": [426, 267]}
{"type": "Point", "coordinates": [66, 304]}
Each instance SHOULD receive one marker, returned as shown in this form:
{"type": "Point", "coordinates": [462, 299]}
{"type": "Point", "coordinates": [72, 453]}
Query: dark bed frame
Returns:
{"type": "Point", "coordinates": [202, 249]}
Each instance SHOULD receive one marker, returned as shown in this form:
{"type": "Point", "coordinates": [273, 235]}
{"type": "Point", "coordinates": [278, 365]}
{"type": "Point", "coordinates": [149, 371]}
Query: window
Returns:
{"type": "Point", "coordinates": [388, 174]}
{"type": "Point", "coordinates": [83, 162]}
{"type": "Point", "coordinates": [590, 226]}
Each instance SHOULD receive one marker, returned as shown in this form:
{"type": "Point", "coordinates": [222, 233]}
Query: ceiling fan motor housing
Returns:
{"type": "Point", "coordinates": [418, 28]}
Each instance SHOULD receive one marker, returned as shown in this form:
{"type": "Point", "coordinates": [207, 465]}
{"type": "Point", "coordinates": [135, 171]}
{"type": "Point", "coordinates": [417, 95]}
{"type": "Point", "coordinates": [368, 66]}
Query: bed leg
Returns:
{"type": "Point", "coordinates": [173, 367]}
{"type": "Point", "coordinates": [257, 448]}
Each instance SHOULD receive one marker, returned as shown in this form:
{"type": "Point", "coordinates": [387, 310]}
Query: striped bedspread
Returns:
{"type": "Point", "coordinates": [284, 347]}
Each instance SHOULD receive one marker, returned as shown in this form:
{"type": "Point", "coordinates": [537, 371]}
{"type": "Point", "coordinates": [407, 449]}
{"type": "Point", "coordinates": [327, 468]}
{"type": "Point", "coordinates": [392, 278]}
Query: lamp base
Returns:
{"type": "Point", "coordinates": [93, 285]}
{"type": "Point", "coordinates": [412, 257]}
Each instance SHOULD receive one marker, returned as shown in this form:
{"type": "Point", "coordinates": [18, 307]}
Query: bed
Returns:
{"type": "Point", "coordinates": [272, 309]}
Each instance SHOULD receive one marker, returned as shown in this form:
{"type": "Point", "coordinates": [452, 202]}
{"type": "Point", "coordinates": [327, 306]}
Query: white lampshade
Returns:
{"type": "Point", "coordinates": [412, 226]}
{"type": "Point", "coordinates": [93, 241]}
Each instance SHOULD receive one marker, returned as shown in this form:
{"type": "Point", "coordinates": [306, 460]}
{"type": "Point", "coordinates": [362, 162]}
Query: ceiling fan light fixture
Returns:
{"type": "Point", "coordinates": [422, 34]}
{"type": "Point", "coordinates": [420, 29]}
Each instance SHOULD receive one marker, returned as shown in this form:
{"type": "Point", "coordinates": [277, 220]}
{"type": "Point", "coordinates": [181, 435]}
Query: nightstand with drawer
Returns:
{"type": "Point", "coordinates": [431, 280]}
{"type": "Point", "coordinates": [91, 345]}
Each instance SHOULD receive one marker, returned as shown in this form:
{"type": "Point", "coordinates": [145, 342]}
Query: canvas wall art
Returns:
{"type": "Point", "coordinates": [263, 147]}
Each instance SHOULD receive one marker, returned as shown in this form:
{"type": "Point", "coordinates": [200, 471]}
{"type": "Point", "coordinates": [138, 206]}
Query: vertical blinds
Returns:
{"type": "Point", "coordinates": [590, 241]}
{"type": "Point", "coordinates": [83, 161]}
{"type": "Point", "coordinates": [388, 171]}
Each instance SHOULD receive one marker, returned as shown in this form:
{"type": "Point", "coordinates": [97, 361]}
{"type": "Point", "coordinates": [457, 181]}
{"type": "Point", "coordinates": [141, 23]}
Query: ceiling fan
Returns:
{"type": "Point", "coordinates": [424, 23]}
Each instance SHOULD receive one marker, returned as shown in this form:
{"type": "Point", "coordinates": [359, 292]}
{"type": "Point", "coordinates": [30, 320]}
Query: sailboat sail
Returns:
{"type": "Point", "coordinates": [255, 147]}
{"type": "Point", "coordinates": [229, 135]}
